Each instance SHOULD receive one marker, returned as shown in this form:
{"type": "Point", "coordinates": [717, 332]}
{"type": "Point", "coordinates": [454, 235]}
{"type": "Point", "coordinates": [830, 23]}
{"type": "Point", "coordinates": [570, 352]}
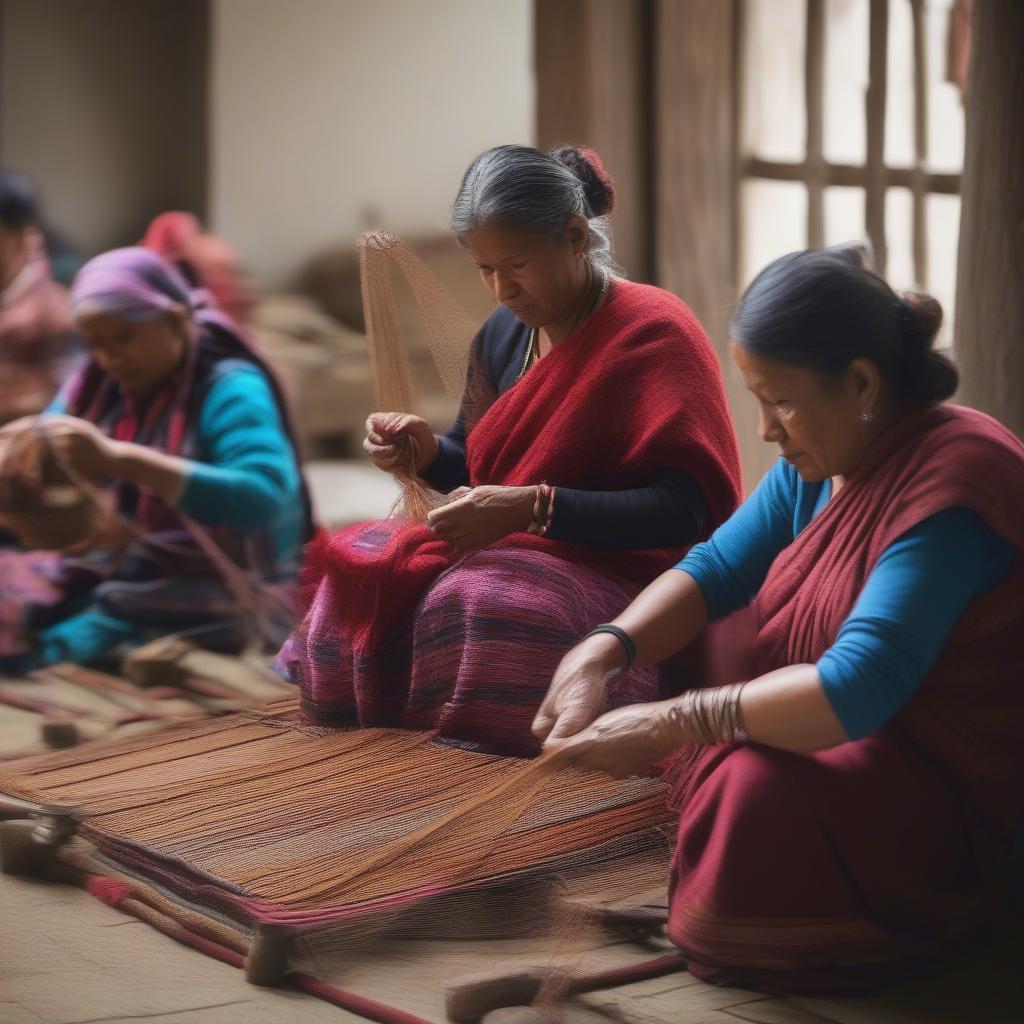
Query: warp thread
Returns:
{"type": "Point", "coordinates": [449, 332]}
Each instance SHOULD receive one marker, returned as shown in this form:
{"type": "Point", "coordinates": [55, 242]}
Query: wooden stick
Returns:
{"type": "Point", "coordinates": [468, 998]}
{"type": "Point", "coordinates": [849, 175]}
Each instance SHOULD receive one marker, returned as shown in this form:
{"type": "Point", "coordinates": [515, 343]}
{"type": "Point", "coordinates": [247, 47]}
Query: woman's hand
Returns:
{"type": "Point", "coordinates": [86, 450]}
{"type": "Point", "coordinates": [579, 689]}
{"type": "Point", "coordinates": [389, 436]}
{"type": "Point", "coordinates": [625, 741]}
{"type": "Point", "coordinates": [477, 516]}
{"type": "Point", "coordinates": [22, 423]}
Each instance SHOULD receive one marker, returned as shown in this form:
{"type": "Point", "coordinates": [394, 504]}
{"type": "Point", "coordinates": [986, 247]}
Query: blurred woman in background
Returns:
{"type": "Point", "coordinates": [183, 417]}
{"type": "Point", "coordinates": [35, 331]}
{"type": "Point", "coordinates": [204, 260]}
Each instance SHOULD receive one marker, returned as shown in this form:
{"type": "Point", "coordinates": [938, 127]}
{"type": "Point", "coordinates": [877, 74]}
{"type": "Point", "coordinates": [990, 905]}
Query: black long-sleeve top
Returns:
{"type": "Point", "coordinates": [667, 511]}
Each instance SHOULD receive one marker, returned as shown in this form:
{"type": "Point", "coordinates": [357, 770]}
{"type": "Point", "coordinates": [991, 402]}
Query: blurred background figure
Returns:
{"type": "Point", "coordinates": [185, 424]}
{"type": "Point", "coordinates": [205, 260]}
{"type": "Point", "coordinates": [35, 331]}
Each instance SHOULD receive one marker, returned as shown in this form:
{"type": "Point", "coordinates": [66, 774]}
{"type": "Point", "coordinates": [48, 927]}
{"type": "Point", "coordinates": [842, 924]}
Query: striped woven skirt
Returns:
{"type": "Point", "coordinates": [473, 660]}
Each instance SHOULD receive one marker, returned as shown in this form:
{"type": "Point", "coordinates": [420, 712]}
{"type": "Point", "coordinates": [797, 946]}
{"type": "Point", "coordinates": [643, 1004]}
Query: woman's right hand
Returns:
{"type": "Point", "coordinates": [389, 435]}
{"type": "Point", "coordinates": [579, 689]}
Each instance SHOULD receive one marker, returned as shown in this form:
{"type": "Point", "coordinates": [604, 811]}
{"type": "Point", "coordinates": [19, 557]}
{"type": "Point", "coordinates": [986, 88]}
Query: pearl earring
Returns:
{"type": "Point", "coordinates": [867, 417]}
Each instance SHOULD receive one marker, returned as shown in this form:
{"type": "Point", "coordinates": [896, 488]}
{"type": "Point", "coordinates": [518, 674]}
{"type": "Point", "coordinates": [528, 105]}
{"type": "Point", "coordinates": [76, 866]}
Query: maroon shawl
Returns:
{"type": "Point", "coordinates": [968, 712]}
{"type": "Point", "coordinates": [840, 868]}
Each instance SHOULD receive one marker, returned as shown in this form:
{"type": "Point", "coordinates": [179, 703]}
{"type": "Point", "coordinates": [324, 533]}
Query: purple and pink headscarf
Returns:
{"type": "Point", "coordinates": [133, 284]}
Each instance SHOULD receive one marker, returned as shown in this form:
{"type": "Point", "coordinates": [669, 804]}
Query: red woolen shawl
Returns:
{"type": "Point", "coordinates": [968, 712]}
{"type": "Point", "coordinates": [635, 390]}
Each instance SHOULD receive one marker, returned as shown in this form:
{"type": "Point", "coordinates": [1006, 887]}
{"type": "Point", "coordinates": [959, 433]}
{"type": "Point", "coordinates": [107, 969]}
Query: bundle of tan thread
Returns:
{"type": "Point", "coordinates": [449, 333]}
{"type": "Point", "coordinates": [41, 501]}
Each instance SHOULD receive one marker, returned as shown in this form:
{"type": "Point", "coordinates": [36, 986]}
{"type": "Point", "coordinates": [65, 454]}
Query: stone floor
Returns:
{"type": "Point", "coordinates": [65, 958]}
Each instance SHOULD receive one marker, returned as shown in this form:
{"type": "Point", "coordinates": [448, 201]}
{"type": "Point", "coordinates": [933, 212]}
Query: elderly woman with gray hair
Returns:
{"type": "Point", "coordinates": [593, 445]}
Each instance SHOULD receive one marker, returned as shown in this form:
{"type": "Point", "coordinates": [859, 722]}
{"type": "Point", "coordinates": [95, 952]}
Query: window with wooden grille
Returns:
{"type": "Point", "coordinates": [850, 129]}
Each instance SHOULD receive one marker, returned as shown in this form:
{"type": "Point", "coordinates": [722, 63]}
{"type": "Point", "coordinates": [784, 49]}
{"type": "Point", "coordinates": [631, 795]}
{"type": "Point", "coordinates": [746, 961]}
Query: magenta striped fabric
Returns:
{"type": "Point", "coordinates": [474, 660]}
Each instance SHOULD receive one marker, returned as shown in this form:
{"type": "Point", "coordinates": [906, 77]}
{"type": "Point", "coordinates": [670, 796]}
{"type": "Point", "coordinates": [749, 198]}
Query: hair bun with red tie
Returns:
{"type": "Point", "coordinates": [598, 186]}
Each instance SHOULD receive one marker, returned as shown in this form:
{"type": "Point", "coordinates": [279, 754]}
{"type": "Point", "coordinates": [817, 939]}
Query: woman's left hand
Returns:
{"type": "Point", "coordinates": [477, 516]}
{"type": "Point", "coordinates": [625, 741]}
{"type": "Point", "coordinates": [83, 446]}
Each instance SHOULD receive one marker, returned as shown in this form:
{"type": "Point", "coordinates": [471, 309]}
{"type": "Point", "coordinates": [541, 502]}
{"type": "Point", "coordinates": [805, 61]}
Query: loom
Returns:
{"type": "Point", "coordinates": [261, 839]}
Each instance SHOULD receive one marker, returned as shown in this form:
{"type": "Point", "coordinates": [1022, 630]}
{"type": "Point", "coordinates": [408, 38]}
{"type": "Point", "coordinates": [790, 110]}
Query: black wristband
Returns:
{"type": "Point", "coordinates": [623, 637]}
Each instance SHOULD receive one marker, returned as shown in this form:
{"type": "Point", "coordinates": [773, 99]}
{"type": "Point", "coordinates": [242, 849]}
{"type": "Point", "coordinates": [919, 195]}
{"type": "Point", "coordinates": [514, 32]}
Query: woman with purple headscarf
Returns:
{"type": "Point", "coordinates": [187, 423]}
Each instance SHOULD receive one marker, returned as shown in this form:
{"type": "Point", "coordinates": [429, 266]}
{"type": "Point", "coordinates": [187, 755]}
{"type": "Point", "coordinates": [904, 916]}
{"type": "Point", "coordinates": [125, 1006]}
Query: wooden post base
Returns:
{"type": "Point", "coordinates": [267, 962]}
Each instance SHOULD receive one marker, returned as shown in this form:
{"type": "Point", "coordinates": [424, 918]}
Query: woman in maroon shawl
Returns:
{"type": "Point", "coordinates": [593, 446]}
{"type": "Point", "coordinates": [849, 810]}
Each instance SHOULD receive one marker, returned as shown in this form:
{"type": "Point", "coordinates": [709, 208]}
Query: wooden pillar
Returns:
{"type": "Point", "coordinates": [695, 167]}
{"type": "Point", "coordinates": [593, 88]}
{"type": "Point", "coordinates": [989, 328]}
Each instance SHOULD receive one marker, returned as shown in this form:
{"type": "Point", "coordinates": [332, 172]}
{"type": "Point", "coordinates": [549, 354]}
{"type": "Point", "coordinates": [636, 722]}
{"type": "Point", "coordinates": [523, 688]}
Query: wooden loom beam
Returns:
{"type": "Point", "coordinates": [30, 839]}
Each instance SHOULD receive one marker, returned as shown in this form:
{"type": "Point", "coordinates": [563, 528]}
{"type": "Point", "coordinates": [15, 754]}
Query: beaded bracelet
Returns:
{"type": "Point", "coordinates": [550, 512]}
{"type": "Point", "coordinates": [541, 510]}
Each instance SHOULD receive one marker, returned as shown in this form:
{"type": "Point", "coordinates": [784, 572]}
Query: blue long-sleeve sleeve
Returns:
{"type": "Point", "coordinates": [732, 564]}
{"type": "Point", "coordinates": [914, 594]}
{"type": "Point", "coordinates": [247, 476]}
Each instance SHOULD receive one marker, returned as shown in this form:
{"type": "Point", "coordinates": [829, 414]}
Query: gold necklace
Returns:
{"type": "Point", "coordinates": [533, 350]}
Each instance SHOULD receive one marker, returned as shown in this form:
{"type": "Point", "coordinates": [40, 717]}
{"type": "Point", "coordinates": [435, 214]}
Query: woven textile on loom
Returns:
{"type": "Point", "coordinates": [258, 818]}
